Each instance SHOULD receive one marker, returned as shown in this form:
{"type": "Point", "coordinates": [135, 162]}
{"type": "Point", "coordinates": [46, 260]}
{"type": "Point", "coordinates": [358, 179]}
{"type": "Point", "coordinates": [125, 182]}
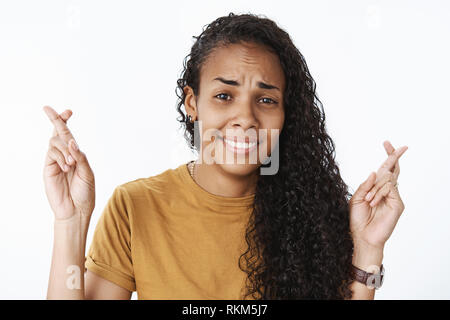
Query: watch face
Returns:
{"type": "Point", "coordinates": [375, 280]}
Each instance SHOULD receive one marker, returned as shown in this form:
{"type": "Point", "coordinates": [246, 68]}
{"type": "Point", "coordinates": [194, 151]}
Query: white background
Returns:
{"type": "Point", "coordinates": [382, 72]}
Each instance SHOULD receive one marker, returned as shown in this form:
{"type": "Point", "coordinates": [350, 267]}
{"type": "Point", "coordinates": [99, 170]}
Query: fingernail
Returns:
{"type": "Point", "coordinates": [75, 146]}
{"type": "Point", "coordinates": [70, 159]}
{"type": "Point", "coordinates": [372, 203]}
{"type": "Point", "coordinates": [368, 196]}
{"type": "Point", "coordinates": [66, 167]}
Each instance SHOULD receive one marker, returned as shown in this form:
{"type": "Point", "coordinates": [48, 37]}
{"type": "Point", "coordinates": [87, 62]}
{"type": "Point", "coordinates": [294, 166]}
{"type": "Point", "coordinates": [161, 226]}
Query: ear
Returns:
{"type": "Point", "coordinates": [190, 102]}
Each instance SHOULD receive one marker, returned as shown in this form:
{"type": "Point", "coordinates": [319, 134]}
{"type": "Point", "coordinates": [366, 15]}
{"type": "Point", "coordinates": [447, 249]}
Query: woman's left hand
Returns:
{"type": "Point", "coordinates": [376, 206]}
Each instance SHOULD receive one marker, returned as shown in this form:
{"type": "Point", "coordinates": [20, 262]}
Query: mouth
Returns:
{"type": "Point", "coordinates": [239, 145]}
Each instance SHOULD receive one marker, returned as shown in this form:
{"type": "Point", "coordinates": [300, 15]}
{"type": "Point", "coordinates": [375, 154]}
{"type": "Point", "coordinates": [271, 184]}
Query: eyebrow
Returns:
{"type": "Point", "coordinates": [260, 84]}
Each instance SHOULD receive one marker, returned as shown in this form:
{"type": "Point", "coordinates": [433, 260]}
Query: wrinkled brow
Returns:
{"type": "Point", "coordinates": [260, 84]}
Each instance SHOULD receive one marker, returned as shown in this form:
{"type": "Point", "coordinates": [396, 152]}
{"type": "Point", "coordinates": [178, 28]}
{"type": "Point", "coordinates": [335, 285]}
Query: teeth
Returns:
{"type": "Point", "coordinates": [240, 145]}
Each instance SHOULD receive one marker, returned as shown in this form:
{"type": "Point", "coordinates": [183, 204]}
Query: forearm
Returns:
{"type": "Point", "coordinates": [67, 268]}
{"type": "Point", "coordinates": [363, 258]}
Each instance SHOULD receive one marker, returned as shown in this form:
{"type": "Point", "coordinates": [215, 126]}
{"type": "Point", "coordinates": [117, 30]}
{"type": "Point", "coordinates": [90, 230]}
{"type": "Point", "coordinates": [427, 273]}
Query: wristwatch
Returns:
{"type": "Point", "coordinates": [371, 280]}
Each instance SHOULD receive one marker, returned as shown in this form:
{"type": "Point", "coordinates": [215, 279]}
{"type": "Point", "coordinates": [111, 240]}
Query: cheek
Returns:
{"type": "Point", "coordinates": [209, 110]}
{"type": "Point", "coordinates": [212, 119]}
{"type": "Point", "coordinates": [273, 134]}
{"type": "Point", "coordinates": [280, 122]}
{"type": "Point", "coordinates": [272, 139]}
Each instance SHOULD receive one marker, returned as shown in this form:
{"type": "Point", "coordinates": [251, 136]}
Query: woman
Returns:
{"type": "Point", "coordinates": [211, 229]}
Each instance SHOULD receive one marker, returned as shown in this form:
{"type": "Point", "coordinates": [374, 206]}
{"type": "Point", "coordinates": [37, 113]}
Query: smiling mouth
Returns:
{"type": "Point", "coordinates": [239, 145]}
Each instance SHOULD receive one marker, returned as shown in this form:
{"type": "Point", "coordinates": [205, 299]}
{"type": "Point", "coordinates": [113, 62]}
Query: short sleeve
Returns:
{"type": "Point", "coordinates": [109, 255]}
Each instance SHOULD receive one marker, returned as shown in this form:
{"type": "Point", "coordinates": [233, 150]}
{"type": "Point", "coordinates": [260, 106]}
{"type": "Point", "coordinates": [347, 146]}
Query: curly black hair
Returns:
{"type": "Point", "coordinates": [298, 235]}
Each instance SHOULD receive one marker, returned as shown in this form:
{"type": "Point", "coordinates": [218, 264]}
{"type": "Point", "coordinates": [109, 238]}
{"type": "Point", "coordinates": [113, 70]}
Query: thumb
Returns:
{"type": "Point", "coordinates": [365, 187]}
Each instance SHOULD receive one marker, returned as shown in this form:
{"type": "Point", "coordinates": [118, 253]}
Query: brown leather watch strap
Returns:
{"type": "Point", "coordinates": [362, 276]}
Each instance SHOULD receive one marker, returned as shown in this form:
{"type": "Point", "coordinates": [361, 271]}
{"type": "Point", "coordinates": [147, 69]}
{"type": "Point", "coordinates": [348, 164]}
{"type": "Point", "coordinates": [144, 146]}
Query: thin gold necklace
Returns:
{"type": "Point", "coordinates": [191, 168]}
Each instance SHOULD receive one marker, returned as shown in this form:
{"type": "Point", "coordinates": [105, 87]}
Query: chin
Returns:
{"type": "Point", "coordinates": [239, 169]}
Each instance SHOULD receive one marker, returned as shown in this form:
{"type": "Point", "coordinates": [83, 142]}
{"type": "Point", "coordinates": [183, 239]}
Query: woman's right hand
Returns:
{"type": "Point", "coordinates": [70, 190]}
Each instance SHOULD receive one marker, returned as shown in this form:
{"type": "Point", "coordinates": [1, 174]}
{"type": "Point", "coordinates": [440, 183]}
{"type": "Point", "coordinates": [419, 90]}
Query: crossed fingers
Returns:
{"type": "Point", "coordinates": [60, 126]}
{"type": "Point", "coordinates": [391, 163]}
{"type": "Point", "coordinates": [387, 174]}
{"type": "Point", "coordinates": [60, 140]}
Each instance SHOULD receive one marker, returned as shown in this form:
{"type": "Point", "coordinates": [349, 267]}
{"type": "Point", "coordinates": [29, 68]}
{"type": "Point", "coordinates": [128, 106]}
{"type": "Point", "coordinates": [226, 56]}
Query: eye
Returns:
{"type": "Point", "coordinates": [222, 95]}
{"type": "Point", "coordinates": [269, 101]}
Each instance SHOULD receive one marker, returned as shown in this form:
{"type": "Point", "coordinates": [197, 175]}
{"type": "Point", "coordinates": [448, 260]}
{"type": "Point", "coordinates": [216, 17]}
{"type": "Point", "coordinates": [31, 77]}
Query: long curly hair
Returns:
{"type": "Point", "coordinates": [299, 244]}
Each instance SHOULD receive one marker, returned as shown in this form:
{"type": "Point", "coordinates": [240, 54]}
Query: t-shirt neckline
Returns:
{"type": "Point", "coordinates": [205, 195]}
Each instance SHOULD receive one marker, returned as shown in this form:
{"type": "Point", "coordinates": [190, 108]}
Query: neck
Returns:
{"type": "Point", "coordinates": [213, 179]}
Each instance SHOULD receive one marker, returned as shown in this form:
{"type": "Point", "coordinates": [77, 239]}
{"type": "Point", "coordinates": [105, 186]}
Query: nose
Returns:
{"type": "Point", "coordinates": [245, 117]}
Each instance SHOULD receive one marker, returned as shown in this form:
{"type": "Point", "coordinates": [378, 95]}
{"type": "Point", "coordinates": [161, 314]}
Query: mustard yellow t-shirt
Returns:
{"type": "Point", "coordinates": [166, 237]}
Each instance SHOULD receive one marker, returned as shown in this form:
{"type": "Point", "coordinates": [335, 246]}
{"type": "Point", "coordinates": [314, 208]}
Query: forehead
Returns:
{"type": "Point", "coordinates": [236, 61]}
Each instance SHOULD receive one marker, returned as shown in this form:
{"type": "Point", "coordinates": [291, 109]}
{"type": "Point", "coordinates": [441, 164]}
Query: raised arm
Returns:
{"type": "Point", "coordinates": [70, 189]}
